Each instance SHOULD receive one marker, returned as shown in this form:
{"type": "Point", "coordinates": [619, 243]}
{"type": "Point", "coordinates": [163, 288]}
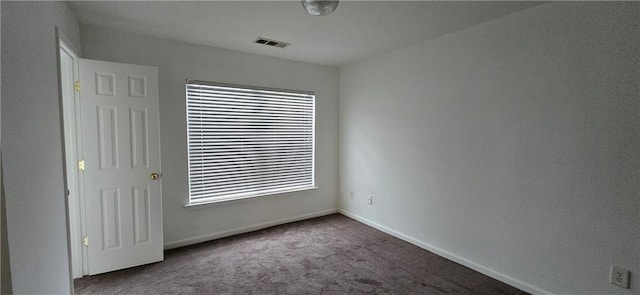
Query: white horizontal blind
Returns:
{"type": "Point", "coordinates": [246, 142]}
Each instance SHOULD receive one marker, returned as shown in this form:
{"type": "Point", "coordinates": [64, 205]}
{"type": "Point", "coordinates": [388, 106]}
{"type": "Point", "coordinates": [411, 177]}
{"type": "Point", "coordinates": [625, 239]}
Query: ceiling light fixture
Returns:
{"type": "Point", "coordinates": [319, 7]}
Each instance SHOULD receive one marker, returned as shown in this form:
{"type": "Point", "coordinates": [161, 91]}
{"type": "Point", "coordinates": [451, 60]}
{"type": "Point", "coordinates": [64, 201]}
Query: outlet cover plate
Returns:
{"type": "Point", "coordinates": [619, 276]}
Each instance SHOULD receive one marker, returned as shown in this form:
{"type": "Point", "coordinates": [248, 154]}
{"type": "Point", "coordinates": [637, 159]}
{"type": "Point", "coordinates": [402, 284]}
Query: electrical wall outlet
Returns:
{"type": "Point", "coordinates": [352, 195]}
{"type": "Point", "coordinates": [619, 276]}
{"type": "Point", "coordinates": [370, 199]}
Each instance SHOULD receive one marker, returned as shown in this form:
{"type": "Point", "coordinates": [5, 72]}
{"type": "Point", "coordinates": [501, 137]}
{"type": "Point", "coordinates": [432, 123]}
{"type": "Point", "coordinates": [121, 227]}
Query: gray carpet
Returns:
{"type": "Point", "coordinates": [326, 255]}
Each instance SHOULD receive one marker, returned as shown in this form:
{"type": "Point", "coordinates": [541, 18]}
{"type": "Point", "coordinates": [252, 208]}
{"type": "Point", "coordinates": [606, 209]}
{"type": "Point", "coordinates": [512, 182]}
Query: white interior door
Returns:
{"type": "Point", "coordinates": [121, 149]}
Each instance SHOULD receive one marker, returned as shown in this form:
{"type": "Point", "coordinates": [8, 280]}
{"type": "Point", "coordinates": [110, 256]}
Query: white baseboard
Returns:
{"type": "Point", "coordinates": [241, 230]}
{"type": "Point", "coordinates": [448, 255]}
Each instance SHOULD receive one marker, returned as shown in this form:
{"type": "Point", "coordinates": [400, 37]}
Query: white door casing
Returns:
{"type": "Point", "coordinates": [69, 74]}
{"type": "Point", "coordinates": [121, 148]}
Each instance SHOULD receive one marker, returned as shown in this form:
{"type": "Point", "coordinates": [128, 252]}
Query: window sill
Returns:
{"type": "Point", "coordinates": [231, 200]}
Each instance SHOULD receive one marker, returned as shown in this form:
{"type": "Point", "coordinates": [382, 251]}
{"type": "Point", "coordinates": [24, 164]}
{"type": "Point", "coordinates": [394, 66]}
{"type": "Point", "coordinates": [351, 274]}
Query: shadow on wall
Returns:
{"type": "Point", "coordinates": [5, 278]}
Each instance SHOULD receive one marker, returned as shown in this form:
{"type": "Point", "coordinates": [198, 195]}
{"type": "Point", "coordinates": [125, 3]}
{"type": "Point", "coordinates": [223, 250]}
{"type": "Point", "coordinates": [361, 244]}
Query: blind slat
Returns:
{"type": "Point", "coordinates": [238, 188]}
{"type": "Point", "coordinates": [239, 102]}
{"type": "Point", "coordinates": [256, 187]}
{"type": "Point", "coordinates": [239, 184]}
{"type": "Point", "coordinates": [230, 176]}
{"type": "Point", "coordinates": [219, 157]}
{"type": "Point", "coordinates": [252, 192]}
{"type": "Point", "coordinates": [213, 169]}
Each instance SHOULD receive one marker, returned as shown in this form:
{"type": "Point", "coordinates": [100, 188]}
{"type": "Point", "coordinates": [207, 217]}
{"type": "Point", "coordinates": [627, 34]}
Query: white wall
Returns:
{"type": "Point", "coordinates": [178, 61]}
{"type": "Point", "coordinates": [32, 145]}
{"type": "Point", "coordinates": [512, 145]}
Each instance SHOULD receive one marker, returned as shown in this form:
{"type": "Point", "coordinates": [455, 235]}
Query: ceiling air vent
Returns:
{"type": "Point", "coordinates": [271, 42]}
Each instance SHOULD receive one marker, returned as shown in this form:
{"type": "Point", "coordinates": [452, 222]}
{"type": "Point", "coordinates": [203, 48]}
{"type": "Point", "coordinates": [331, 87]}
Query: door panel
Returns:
{"type": "Point", "coordinates": [121, 142]}
{"type": "Point", "coordinates": [141, 214]}
{"type": "Point", "coordinates": [139, 150]}
{"type": "Point", "coordinates": [107, 138]}
{"type": "Point", "coordinates": [110, 218]}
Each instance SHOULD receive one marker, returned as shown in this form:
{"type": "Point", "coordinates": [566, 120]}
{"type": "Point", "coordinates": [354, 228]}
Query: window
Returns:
{"type": "Point", "coordinates": [248, 141]}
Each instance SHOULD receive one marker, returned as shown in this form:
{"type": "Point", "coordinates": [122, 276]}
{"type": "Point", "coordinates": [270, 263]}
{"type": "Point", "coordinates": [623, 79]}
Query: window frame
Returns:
{"type": "Point", "coordinates": [262, 193]}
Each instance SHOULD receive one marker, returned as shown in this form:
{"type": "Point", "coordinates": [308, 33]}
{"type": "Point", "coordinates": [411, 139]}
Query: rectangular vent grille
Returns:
{"type": "Point", "coordinates": [270, 42]}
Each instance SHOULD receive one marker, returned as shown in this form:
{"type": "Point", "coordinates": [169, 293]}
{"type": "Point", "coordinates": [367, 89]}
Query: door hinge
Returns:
{"type": "Point", "coordinates": [81, 165]}
{"type": "Point", "coordinates": [76, 86]}
{"type": "Point", "coordinates": [85, 241]}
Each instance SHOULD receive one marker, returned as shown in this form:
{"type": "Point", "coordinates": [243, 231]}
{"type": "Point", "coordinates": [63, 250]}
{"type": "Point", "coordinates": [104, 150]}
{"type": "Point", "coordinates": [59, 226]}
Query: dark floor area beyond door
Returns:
{"type": "Point", "coordinates": [326, 255]}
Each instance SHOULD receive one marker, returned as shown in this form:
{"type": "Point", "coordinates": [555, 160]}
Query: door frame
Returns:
{"type": "Point", "coordinates": [72, 125]}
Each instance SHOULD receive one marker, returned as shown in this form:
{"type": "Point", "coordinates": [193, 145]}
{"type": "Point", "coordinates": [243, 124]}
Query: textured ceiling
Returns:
{"type": "Point", "coordinates": [356, 30]}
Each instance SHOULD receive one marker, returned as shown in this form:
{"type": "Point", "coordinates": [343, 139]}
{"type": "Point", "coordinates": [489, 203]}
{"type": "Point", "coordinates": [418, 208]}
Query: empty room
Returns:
{"type": "Point", "coordinates": [320, 147]}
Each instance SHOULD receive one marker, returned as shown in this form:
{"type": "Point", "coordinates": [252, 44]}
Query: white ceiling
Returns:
{"type": "Point", "coordinates": [356, 30]}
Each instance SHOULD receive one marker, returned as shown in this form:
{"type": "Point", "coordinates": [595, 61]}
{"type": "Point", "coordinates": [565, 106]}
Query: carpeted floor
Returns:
{"type": "Point", "coordinates": [326, 255]}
